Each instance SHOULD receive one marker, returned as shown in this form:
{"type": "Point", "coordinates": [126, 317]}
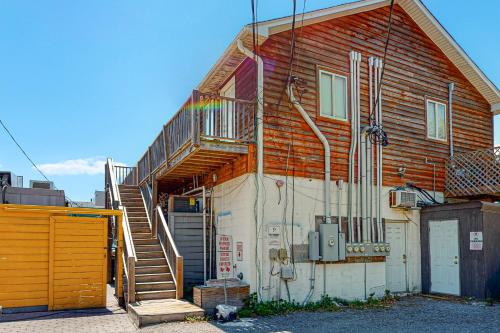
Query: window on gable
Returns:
{"type": "Point", "coordinates": [333, 95]}
{"type": "Point", "coordinates": [436, 120]}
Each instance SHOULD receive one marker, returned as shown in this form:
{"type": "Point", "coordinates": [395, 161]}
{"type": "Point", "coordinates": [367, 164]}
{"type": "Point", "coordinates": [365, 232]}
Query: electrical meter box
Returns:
{"type": "Point", "coordinates": [329, 242]}
{"type": "Point", "coordinates": [313, 245]}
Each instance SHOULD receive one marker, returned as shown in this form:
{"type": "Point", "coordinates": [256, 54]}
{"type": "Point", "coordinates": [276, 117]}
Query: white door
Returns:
{"type": "Point", "coordinates": [227, 116]}
{"type": "Point", "coordinates": [395, 266]}
{"type": "Point", "coordinates": [444, 257]}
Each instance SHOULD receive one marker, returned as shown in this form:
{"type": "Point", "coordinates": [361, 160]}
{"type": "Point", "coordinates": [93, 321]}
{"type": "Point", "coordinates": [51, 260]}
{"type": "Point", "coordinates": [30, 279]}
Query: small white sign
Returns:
{"type": "Point", "coordinates": [224, 256]}
{"type": "Point", "coordinates": [239, 251]}
{"type": "Point", "coordinates": [274, 230]}
{"type": "Point", "coordinates": [476, 241]}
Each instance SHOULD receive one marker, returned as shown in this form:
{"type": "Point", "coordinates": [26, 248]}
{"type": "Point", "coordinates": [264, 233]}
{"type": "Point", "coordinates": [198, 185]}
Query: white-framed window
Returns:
{"type": "Point", "coordinates": [436, 120]}
{"type": "Point", "coordinates": [332, 95]}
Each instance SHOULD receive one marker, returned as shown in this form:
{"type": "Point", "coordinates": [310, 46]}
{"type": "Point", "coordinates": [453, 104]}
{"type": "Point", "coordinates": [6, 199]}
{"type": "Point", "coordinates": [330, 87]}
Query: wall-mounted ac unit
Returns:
{"type": "Point", "coordinates": [42, 184]}
{"type": "Point", "coordinates": [403, 199]}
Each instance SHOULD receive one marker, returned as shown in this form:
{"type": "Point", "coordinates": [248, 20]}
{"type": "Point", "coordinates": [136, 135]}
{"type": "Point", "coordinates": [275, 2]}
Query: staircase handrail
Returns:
{"type": "Point", "coordinates": [174, 260]}
{"type": "Point", "coordinates": [129, 255]}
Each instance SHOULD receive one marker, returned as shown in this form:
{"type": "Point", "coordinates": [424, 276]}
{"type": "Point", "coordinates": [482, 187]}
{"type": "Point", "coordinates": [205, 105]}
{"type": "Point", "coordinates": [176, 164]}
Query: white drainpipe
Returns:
{"type": "Point", "coordinates": [451, 87]}
{"type": "Point", "coordinates": [260, 148]}
{"type": "Point", "coordinates": [326, 147]}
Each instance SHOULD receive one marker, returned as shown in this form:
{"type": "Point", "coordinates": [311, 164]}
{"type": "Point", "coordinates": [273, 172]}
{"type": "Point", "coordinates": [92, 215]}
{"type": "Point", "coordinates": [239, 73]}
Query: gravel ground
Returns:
{"type": "Point", "coordinates": [410, 314]}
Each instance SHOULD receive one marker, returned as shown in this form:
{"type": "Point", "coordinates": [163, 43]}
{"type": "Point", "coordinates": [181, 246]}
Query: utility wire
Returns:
{"type": "Point", "coordinates": [389, 29]}
{"type": "Point", "coordinates": [9, 133]}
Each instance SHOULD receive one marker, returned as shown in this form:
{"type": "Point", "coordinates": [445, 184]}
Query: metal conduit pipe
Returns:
{"type": "Point", "coordinates": [352, 150]}
{"type": "Point", "coordinates": [364, 185]}
{"type": "Point", "coordinates": [326, 147]}
{"type": "Point", "coordinates": [358, 133]}
{"type": "Point", "coordinates": [370, 154]}
{"type": "Point", "coordinates": [379, 155]}
{"type": "Point", "coordinates": [451, 87]}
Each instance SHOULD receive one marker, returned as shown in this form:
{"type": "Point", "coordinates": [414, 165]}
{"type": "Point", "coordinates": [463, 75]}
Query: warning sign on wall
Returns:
{"type": "Point", "coordinates": [476, 241]}
{"type": "Point", "coordinates": [224, 256]}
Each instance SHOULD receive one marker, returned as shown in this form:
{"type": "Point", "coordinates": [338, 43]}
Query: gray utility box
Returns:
{"type": "Point", "coordinates": [330, 247]}
{"type": "Point", "coordinates": [313, 245]}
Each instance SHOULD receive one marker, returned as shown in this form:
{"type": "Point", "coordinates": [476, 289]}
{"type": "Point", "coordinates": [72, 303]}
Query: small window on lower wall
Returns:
{"type": "Point", "coordinates": [333, 95]}
{"type": "Point", "coordinates": [436, 120]}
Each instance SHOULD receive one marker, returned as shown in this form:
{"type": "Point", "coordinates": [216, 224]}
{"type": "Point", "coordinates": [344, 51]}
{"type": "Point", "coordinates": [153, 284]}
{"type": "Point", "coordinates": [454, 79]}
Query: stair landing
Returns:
{"type": "Point", "coordinates": [162, 310]}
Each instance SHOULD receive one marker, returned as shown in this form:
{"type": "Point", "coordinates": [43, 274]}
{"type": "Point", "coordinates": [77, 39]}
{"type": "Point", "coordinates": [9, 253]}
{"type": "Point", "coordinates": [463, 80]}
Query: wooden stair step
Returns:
{"type": "Point", "coordinates": [153, 277]}
{"type": "Point", "coordinates": [153, 269]}
{"type": "Point", "coordinates": [148, 248]}
{"type": "Point", "coordinates": [141, 235]}
{"type": "Point", "coordinates": [140, 229]}
{"type": "Point", "coordinates": [156, 294]}
{"type": "Point", "coordinates": [145, 241]}
{"type": "Point", "coordinates": [151, 262]}
{"type": "Point", "coordinates": [160, 311]}
{"type": "Point", "coordinates": [154, 286]}
{"type": "Point", "coordinates": [150, 255]}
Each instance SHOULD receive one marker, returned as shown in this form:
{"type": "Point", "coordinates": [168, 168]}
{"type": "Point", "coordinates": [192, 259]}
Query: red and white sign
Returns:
{"type": "Point", "coordinates": [239, 251]}
{"type": "Point", "coordinates": [224, 256]}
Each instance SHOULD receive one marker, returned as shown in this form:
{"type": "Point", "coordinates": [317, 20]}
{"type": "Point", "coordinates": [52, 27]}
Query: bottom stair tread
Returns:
{"type": "Point", "coordinates": [161, 310]}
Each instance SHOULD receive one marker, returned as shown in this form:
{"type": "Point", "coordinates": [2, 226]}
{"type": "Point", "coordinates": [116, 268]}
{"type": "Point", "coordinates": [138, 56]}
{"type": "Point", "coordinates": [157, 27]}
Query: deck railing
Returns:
{"type": "Point", "coordinates": [125, 175]}
{"type": "Point", "coordinates": [174, 259]}
{"type": "Point", "coordinates": [474, 173]}
{"type": "Point", "coordinates": [201, 117]}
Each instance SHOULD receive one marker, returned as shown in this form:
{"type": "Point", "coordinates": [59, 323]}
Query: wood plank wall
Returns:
{"type": "Point", "coordinates": [416, 69]}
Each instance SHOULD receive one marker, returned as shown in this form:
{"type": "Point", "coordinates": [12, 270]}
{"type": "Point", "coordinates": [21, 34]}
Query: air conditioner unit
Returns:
{"type": "Point", "coordinates": [403, 199]}
{"type": "Point", "coordinates": [43, 184]}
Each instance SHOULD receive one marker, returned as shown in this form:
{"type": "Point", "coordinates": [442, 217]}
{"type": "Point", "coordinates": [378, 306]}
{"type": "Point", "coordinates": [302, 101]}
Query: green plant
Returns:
{"type": "Point", "coordinates": [196, 319]}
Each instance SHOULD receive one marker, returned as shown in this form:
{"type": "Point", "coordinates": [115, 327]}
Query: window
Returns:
{"type": "Point", "coordinates": [436, 120]}
{"type": "Point", "coordinates": [333, 95]}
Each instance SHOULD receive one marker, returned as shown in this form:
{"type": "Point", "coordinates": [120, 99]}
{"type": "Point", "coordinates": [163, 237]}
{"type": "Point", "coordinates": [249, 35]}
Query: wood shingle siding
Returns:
{"type": "Point", "coordinates": [416, 69]}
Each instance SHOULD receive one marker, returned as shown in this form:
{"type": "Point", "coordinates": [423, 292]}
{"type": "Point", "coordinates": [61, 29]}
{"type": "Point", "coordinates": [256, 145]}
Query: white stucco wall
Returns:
{"type": "Point", "coordinates": [234, 205]}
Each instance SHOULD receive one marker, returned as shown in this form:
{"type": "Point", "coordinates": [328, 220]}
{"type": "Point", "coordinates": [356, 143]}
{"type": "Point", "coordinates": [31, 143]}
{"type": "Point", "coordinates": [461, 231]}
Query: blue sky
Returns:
{"type": "Point", "coordinates": [83, 80]}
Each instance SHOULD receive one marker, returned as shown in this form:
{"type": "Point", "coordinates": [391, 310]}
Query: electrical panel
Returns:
{"type": "Point", "coordinates": [329, 241]}
{"type": "Point", "coordinates": [313, 245]}
{"type": "Point", "coordinates": [368, 249]}
{"type": "Point", "coordinates": [341, 246]}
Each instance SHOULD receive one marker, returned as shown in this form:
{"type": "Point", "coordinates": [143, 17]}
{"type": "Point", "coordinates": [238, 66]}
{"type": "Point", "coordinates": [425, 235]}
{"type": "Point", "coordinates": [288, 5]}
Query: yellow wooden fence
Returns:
{"type": "Point", "coordinates": [56, 257]}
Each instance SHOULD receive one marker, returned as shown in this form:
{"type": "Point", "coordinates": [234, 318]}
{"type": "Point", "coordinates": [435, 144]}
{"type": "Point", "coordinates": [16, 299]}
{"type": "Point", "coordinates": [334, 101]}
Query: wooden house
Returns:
{"type": "Point", "coordinates": [277, 128]}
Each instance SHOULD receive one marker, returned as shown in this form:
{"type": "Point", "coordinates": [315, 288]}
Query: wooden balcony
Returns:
{"type": "Point", "coordinates": [206, 133]}
{"type": "Point", "coordinates": [474, 174]}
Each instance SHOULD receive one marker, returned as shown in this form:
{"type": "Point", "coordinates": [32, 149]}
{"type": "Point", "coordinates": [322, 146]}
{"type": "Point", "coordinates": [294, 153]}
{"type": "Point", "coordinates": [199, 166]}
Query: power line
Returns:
{"type": "Point", "coordinates": [9, 133]}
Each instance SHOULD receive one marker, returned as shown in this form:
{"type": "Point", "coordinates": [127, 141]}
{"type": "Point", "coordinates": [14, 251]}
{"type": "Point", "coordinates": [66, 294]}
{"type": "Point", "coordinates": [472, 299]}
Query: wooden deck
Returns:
{"type": "Point", "coordinates": [159, 311]}
{"type": "Point", "coordinates": [209, 155]}
{"type": "Point", "coordinates": [206, 133]}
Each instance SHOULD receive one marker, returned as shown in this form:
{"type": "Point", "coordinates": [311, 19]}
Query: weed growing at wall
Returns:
{"type": "Point", "coordinates": [255, 308]}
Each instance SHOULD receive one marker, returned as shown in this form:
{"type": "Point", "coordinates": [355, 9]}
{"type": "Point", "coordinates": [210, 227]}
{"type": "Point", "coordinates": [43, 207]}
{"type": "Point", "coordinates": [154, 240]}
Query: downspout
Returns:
{"type": "Point", "coordinates": [326, 147]}
{"type": "Point", "coordinates": [451, 87]}
{"type": "Point", "coordinates": [260, 148]}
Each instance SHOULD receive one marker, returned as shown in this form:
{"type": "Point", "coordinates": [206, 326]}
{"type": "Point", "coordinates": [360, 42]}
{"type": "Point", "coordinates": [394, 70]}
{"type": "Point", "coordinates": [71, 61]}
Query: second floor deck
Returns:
{"type": "Point", "coordinates": [207, 132]}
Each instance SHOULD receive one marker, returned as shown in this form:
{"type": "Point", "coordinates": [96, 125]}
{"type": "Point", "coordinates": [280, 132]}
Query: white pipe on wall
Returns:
{"type": "Point", "coordinates": [260, 152]}
{"type": "Point", "coordinates": [451, 87]}
{"type": "Point", "coordinates": [379, 156]}
{"type": "Point", "coordinates": [370, 154]}
{"type": "Point", "coordinates": [358, 132]}
{"type": "Point", "coordinates": [326, 147]}
{"type": "Point", "coordinates": [352, 151]}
